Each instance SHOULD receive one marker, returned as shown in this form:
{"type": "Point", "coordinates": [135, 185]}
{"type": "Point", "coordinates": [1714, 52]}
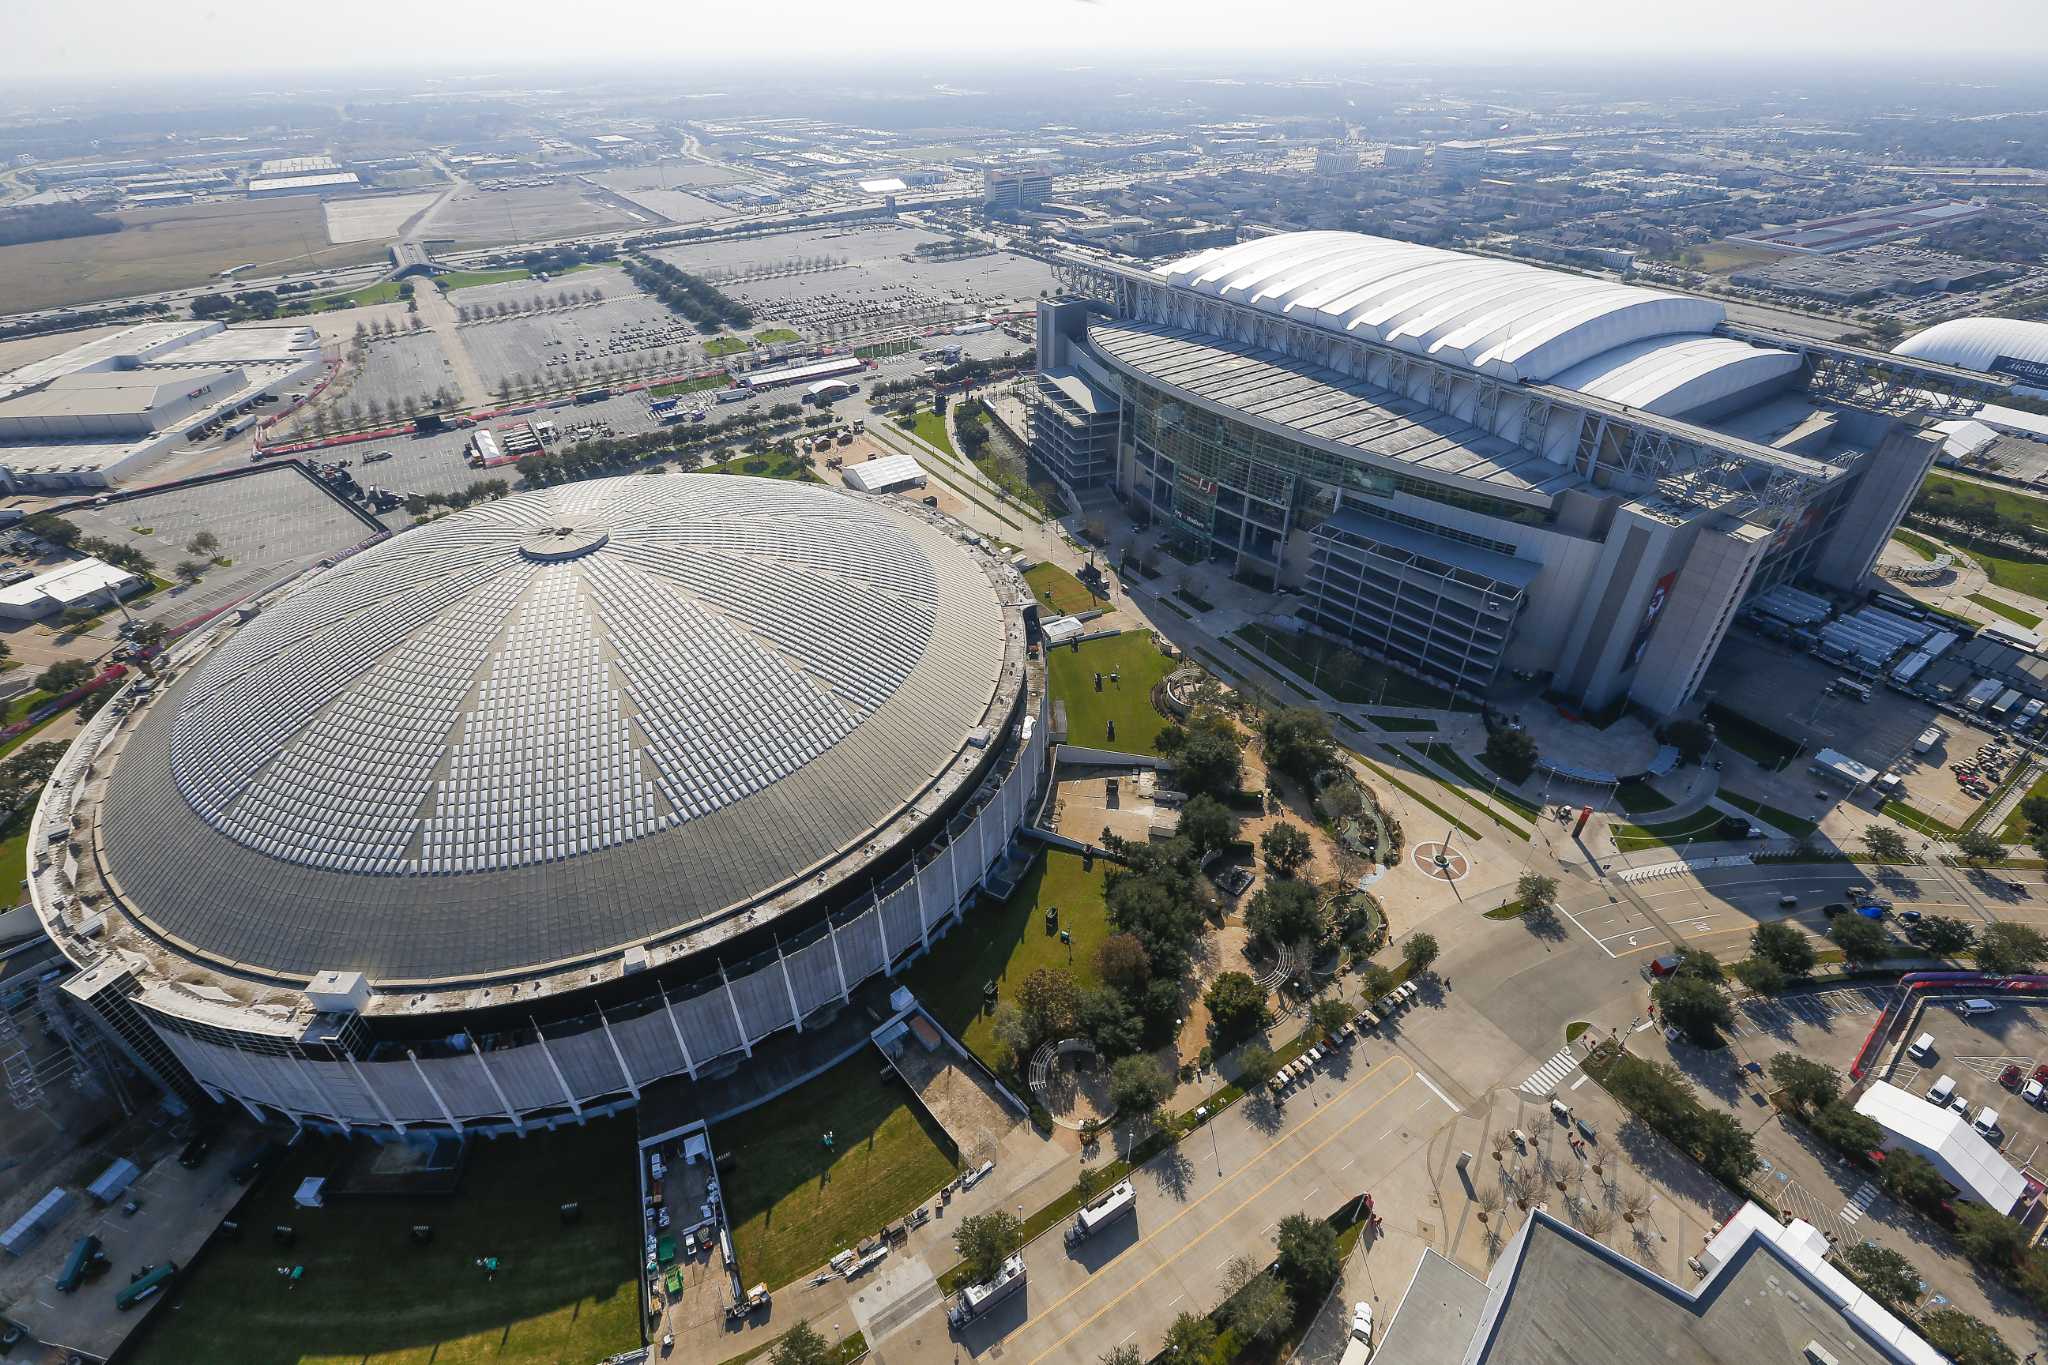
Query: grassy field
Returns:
{"type": "Point", "coordinates": [1798, 826]}
{"type": "Point", "coordinates": [1059, 589]}
{"type": "Point", "coordinates": [2026, 620]}
{"type": "Point", "coordinates": [1345, 674]}
{"type": "Point", "coordinates": [1756, 742]}
{"type": "Point", "coordinates": [14, 849]}
{"type": "Point", "coordinates": [699, 385]}
{"type": "Point", "coordinates": [792, 1202]}
{"type": "Point", "coordinates": [173, 248]}
{"type": "Point", "coordinates": [469, 279]}
{"type": "Point", "coordinates": [775, 336]}
{"type": "Point", "coordinates": [1638, 797]}
{"type": "Point", "coordinates": [1138, 664]}
{"type": "Point", "coordinates": [369, 1296]}
{"type": "Point", "coordinates": [932, 428]}
{"type": "Point", "coordinates": [1007, 944]}
{"type": "Point", "coordinates": [727, 345]}
{"type": "Point", "coordinates": [2013, 831]}
{"type": "Point", "coordinates": [1724, 258]}
{"type": "Point", "coordinates": [2008, 568]}
{"type": "Point", "coordinates": [1919, 545]}
{"type": "Point", "coordinates": [765, 467]}
{"type": "Point", "coordinates": [1481, 791]}
{"type": "Point", "coordinates": [1700, 825]}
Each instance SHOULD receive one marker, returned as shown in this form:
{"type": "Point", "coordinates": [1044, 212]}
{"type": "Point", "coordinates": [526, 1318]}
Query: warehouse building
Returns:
{"type": "Point", "coordinates": [1474, 467]}
{"type": "Point", "coordinates": [516, 813]}
{"type": "Point", "coordinates": [106, 408]}
{"type": "Point", "coordinates": [82, 583]}
{"type": "Point", "coordinates": [322, 183]}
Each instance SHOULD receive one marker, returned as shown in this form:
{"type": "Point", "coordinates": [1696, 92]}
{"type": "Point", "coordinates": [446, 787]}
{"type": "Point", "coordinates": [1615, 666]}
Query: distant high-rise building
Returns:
{"type": "Point", "coordinates": [1399, 158]}
{"type": "Point", "coordinates": [1459, 156]}
{"type": "Point", "coordinates": [1021, 187]}
{"type": "Point", "coordinates": [1339, 160]}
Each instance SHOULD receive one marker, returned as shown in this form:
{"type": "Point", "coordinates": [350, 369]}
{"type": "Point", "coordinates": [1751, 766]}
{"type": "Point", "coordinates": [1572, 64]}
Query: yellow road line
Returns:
{"type": "Point", "coordinates": [1239, 1208]}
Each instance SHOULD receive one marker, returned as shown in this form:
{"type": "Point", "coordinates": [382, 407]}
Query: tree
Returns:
{"type": "Point", "coordinates": [1237, 1009]}
{"type": "Point", "coordinates": [1308, 1263]}
{"type": "Point", "coordinates": [204, 543]}
{"type": "Point", "coordinates": [985, 1240]}
{"type": "Point", "coordinates": [1207, 756]}
{"type": "Point", "coordinates": [1861, 940]}
{"type": "Point", "coordinates": [1138, 1085]}
{"type": "Point", "coordinates": [62, 676]}
{"type": "Point", "coordinates": [1419, 951]}
{"type": "Point", "coordinates": [1912, 1179]}
{"type": "Point", "coordinates": [1725, 1146]}
{"type": "Point", "coordinates": [1286, 849]}
{"type": "Point", "coordinates": [1284, 913]}
{"type": "Point", "coordinates": [801, 1345]}
{"type": "Point", "coordinates": [1978, 847]}
{"type": "Point", "coordinates": [48, 526]}
{"type": "Point", "coordinates": [1946, 935]}
{"type": "Point", "coordinates": [1154, 896]}
{"type": "Point", "coordinates": [1012, 1031]}
{"type": "Point", "coordinates": [1329, 1014]}
{"type": "Point", "coordinates": [1111, 1022]}
{"type": "Point", "coordinates": [1964, 1339]}
{"type": "Point", "coordinates": [1511, 753]}
{"type": "Point", "coordinates": [1883, 1274]}
{"type": "Point", "coordinates": [1695, 1007]}
{"type": "Point", "coordinates": [1121, 962]}
{"type": "Point", "coordinates": [1886, 844]}
{"type": "Point", "coordinates": [1760, 974]}
{"type": "Point", "coordinates": [188, 571]}
{"type": "Point", "coordinates": [1536, 892]}
{"type": "Point", "coordinates": [1050, 1001]}
{"type": "Point", "coordinates": [1808, 1084]}
{"type": "Point", "coordinates": [1298, 742]}
{"type": "Point", "coordinates": [1691, 738]}
{"type": "Point", "coordinates": [1255, 1066]}
{"type": "Point", "coordinates": [2008, 947]}
{"type": "Point", "coordinates": [1261, 1310]}
{"type": "Point", "coordinates": [1375, 980]}
{"type": "Point", "coordinates": [1988, 1237]}
{"type": "Point", "coordinates": [1206, 824]}
{"type": "Point", "coordinates": [1191, 1337]}
{"type": "Point", "coordinates": [1784, 944]}
{"type": "Point", "coordinates": [1841, 1127]}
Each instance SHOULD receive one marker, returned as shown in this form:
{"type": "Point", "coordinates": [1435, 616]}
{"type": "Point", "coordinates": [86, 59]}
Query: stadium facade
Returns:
{"type": "Point", "coordinates": [501, 820]}
{"type": "Point", "coordinates": [1473, 467]}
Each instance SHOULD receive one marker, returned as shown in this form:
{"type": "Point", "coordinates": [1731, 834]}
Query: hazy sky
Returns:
{"type": "Point", "coordinates": [61, 38]}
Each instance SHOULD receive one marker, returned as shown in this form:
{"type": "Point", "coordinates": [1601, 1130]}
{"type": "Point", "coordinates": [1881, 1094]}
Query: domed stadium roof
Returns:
{"type": "Point", "coordinates": [553, 725]}
{"type": "Point", "coordinates": [2010, 346]}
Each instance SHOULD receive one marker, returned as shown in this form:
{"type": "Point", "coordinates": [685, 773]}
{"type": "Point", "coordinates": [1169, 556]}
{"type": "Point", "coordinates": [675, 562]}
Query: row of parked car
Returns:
{"type": "Point", "coordinates": [1304, 1066]}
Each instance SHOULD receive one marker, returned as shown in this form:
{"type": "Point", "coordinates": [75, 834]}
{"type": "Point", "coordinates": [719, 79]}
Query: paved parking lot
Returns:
{"type": "Point", "coordinates": [1788, 691]}
{"type": "Point", "coordinates": [1833, 1014]}
{"type": "Point", "coordinates": [626, 332]}
{"type": "Point", "coordinates": [406, 365]}
{"type": "Point", "coordinates": [1976, 1050]}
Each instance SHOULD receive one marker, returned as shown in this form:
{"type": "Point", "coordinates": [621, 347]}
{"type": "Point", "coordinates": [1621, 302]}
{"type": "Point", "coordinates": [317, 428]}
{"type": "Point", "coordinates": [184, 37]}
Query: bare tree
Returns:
{"type": "Point", "coordinates": [1597, 1222]}
{"type": "Point", "coordinates": [1635, 1202]}
{"type": "Point", "coordinates": [1490, 1200]}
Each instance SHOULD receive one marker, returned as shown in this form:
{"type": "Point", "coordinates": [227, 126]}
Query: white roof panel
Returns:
{"type": "Point", "coordinates": [1945, 1138]}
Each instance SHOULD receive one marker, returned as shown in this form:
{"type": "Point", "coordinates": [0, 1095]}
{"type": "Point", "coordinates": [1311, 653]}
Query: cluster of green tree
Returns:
{"type": "Point", "coordinates": [615, 454]}
{"type": "Point", "coordinates": [2033, 811]}
{"type": "Point", "coordinates": [1661, 1096]}
{"type": "Point", "coordinates": [89, 317]}
{"type": "Point", "coordinates": [704, 304]}
{"type": "Point", "coordinates": [969, 371]}
{"type": "Point", "coordinates": [1259, 1305]}
{"type": "Point", "coordinates": [1951, 505]}
{"type": "Point", "coordinates": [58, 531]}
{"type": "Point", "coordinates": [53, 222]}
{"type": "Point", "coordinates": [252, 303]}
{"type": "Point", "coordinates": [1894, 1282]}
{"type": "Point", "coordinates": [554, 260]}
{"type": "Point", "coordinates": [1511, 753]}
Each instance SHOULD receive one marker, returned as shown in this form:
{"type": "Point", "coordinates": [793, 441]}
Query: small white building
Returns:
{"type": "Point", "coordinates": [885, 474]}
{"type": "Point", "coordinates": [87, 582]}
{"type": "Point", "coordinates": [1965, 1159]}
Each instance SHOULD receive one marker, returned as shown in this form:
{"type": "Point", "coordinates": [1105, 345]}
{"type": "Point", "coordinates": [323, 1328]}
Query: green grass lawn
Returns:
{"type": "Point", "coordinates": [2006, 502]}
{"type": "Point", "coordinates": [1138, 664]}
{"type": "Point", "coordinates": [2026, 620]}
{"type": "Point", "coordinates": [1638, 797]}
{"type": "Point", "coordinates": [1413, 795]}
{"type": "Point", "coordinates": [792, 1202]}
{"type": "Point", "coordinates": [1697, 827]}
{"type": "Point", "coordinates": [1919, 821]}
{"type": "Point", "coordinates": [1798, 826]}
{"type": "Point", "coordinates": [1752, 740]}
{"type": "Point", "coordinates": [932, 428]}
{"type": "Point", "coordinates": [1059, 589]}
{"type": "Point", "coordinates": [775, 336]}
{"type": "Point", "coordinates": [469, 279]}
{"type": "Point", "coordinates": [683, 386]}
{"type": "Point", "coordinates": [765, 467]}
{"type": "Point", "coordinates": [371, 1297]}
{"type": "Point", "coordinates": [1481, 791]}
{"type": "Point", "coordinates": [2013, 831]}
{"type": "Point", "coordinates": [1006, 944]}
{"type": "Point", "coordinates": [1345, 674]}
{"type": "Point", "coordinates": [14, 850]}
{"type": "Point", "coordinates": [1919, 545]}
{"type": "Point", "coordinates": [1405, 724]}
{"type": "Point", "coordinates": [726, 345]}
{"type": "Point", "coordinates": [2009, 570]}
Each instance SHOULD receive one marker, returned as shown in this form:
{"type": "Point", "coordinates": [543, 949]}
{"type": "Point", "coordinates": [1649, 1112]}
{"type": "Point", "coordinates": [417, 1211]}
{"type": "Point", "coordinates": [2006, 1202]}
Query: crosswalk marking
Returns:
{"type": "Point", "coordinates": [1852, 1212]}
{"type": "Point", "coordinates": [1552, 1073]}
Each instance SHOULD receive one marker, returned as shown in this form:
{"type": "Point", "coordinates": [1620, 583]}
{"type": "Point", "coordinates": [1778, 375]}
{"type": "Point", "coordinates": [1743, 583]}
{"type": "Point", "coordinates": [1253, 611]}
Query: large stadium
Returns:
{"type": "Point", "coordinates": [515, 813]}
{"type": "Point", "coordinates": [1476, 468]}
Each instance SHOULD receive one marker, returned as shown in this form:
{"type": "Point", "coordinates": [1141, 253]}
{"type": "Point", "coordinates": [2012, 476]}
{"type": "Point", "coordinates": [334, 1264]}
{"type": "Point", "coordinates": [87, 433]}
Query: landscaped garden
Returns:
{"type": "Point", "coordinates": [1126, 703]}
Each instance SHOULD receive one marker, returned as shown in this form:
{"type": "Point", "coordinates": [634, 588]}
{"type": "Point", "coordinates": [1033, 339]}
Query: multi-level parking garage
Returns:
{"type": "Point", "coordinates": [1471, 466]}
{"type": "Point", "coordinates": [513, 814]}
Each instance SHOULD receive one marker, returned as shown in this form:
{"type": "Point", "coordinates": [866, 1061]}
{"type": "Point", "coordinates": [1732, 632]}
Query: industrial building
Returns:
{"type": "Point", "coordinates": [1847, 231]}
{"type": "Point", "coordinates": [325, 182]}
{"type": "Point", "coordinates": [81, 583]}
{"type": "Point", "coordinates": [1472, 467]}
{"type": "Point", "coordinates": [507, 817]}
{"type": "Point", "coordinates": [1766, 1293]}
{"type": "Point", "coordinates": [107, 407]}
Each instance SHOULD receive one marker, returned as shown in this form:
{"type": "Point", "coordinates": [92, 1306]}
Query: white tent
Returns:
{"type": "Point", "coordinates": [1944, 1137]}
{"type": "Point", "coordinates": [884, 474]}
